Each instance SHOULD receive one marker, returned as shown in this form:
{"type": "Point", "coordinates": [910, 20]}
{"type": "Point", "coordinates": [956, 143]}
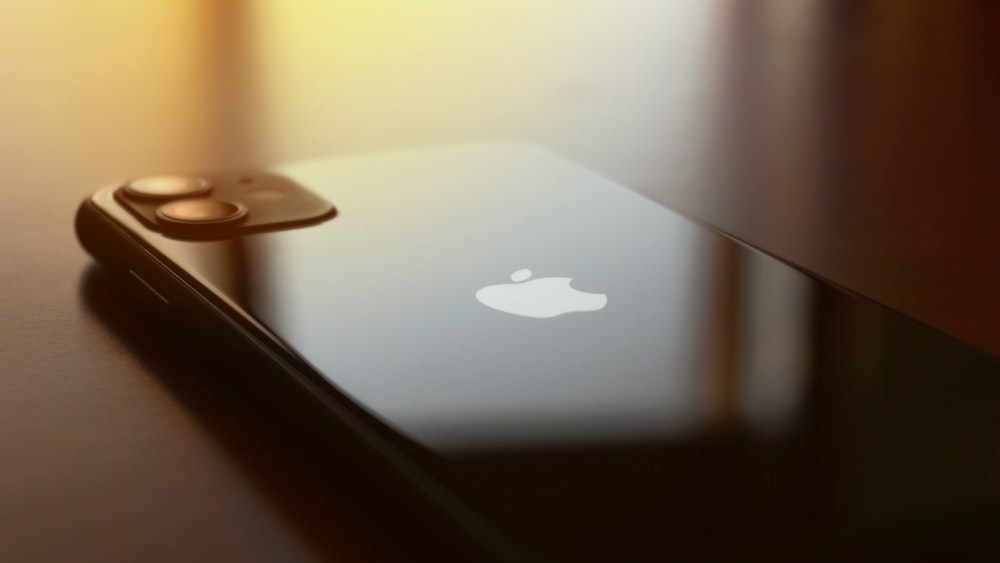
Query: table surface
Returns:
{"type": "Point", "coordinates": [857, 140]}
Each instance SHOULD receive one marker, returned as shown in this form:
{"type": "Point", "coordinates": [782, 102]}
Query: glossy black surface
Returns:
{"type": "Point", "coordinates": [722, 403]}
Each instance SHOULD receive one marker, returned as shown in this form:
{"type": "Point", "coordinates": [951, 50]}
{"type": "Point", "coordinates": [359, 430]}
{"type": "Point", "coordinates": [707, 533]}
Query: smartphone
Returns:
{"type": "Point", "coordinates": [550, 366]}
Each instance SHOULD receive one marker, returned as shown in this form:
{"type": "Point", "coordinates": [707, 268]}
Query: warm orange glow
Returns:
{"type": "Point", "coordinates": [92, 81]}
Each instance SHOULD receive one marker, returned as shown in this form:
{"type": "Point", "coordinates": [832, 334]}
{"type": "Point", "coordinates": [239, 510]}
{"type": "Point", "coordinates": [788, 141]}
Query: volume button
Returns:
{"type": "Point", "coordinates": [149, 287]}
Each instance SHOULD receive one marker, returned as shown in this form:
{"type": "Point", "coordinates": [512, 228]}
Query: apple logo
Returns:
{"type": "Point", "coordinates": [541, 298]}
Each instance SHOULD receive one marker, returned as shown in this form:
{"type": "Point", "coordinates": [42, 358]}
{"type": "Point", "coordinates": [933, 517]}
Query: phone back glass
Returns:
{"type": "Point", "coordinates": [718, 398]}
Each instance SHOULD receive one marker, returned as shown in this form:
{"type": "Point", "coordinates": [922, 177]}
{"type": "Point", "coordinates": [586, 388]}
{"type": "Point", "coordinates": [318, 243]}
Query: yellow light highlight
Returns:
{"type": "Point", "coordinates": [350, 76]}
{"type": "Point", "coordinates": [88, 82]}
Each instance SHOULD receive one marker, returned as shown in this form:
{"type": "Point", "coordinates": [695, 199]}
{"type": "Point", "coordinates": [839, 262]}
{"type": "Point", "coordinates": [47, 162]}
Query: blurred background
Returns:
{"type": "Point", "coordinates": [210, 83]}
{"type": "Point", "coordinates": [843, 136]}
{"type": "Point", "coordinates": [858, 140]}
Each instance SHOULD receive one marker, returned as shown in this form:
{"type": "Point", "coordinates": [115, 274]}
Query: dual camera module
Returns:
{"type": "Point", "coordinates": [221, 205]}
{"type": "Point", "coordinates": [184, 202]}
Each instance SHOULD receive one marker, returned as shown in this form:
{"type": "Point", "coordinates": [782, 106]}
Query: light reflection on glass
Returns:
{"type": "Point", "coordinates": [700, 335]}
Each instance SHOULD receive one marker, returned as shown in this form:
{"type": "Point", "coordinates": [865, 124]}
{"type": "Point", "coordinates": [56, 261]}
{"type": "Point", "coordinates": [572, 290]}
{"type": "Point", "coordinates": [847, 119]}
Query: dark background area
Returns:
{"type": "Point", "coordinates": [858, 140]}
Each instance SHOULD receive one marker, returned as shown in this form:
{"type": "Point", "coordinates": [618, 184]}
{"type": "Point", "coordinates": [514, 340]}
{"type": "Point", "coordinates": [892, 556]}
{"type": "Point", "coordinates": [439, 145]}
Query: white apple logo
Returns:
{"type": "Point", "coordinates": [542, 298]}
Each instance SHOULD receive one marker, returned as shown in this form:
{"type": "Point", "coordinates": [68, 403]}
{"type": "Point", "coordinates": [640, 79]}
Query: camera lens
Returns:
{"type": "Point", "coordinates": [166, 187]}
{"type": "Point", "coordinates": [201, 212]}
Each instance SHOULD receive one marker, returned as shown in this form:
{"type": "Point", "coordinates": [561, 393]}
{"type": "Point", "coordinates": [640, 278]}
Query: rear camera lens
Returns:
{"type": "Point", "coordinates": [201, 212]}
{"type": "Point", "coordinates": [166, 187]}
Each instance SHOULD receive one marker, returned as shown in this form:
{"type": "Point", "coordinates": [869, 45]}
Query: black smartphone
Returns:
{"type": "Point", "coordinates": [554, 367]}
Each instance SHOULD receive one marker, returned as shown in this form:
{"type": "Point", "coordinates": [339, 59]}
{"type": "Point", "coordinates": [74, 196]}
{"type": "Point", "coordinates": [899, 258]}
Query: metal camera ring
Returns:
{"type": "Point", "coordinates": [168, 187]}
{"type": "Point", "coordinates": [201, 211]}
